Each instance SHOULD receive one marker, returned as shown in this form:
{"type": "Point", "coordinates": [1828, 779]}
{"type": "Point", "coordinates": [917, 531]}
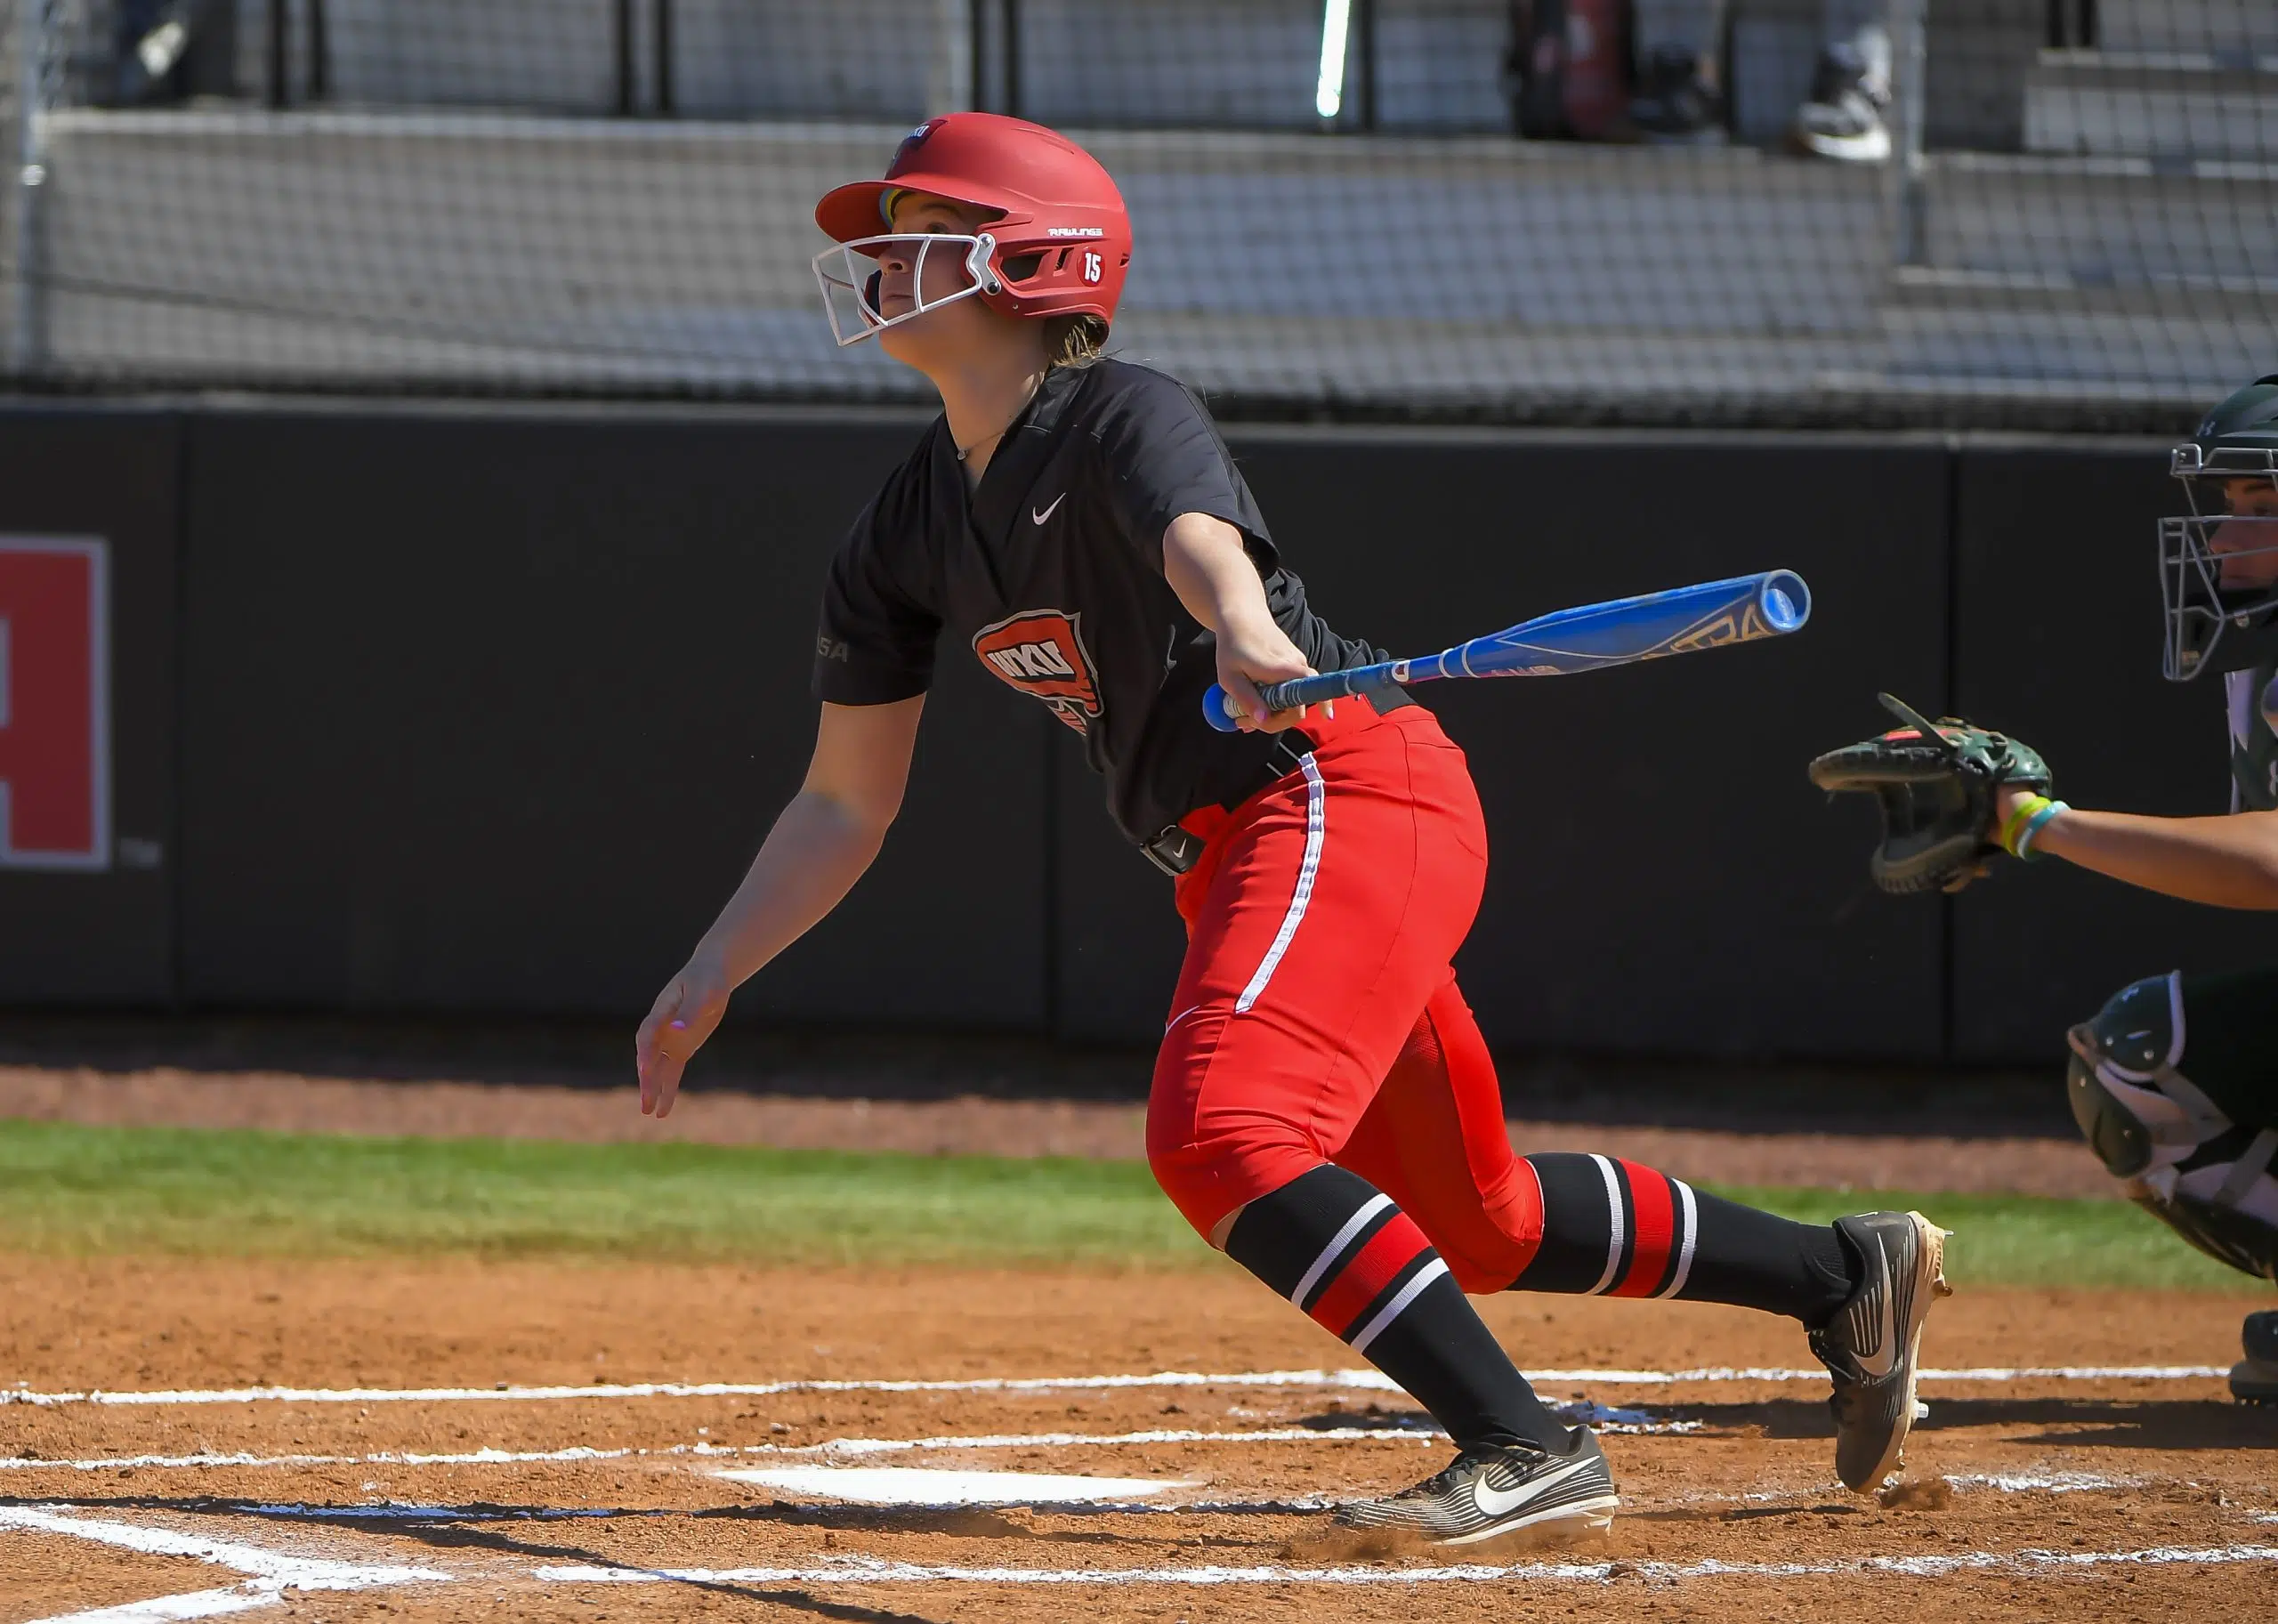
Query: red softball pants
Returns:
{"type": "Point", "coordinates": [1317, 1017]}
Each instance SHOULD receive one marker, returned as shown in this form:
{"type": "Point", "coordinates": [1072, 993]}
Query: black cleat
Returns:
{"type": "Point", "coordinates": [1842, 117]}
{"type": "Point", "coordinates": [1873, 1345]}
{"type": "Point", "coordinates": [2254, 1379]}
{"type": "Point", "coordinates": [1500, 1489]}
{"type": "Point", "coordinates": [1676, 104]}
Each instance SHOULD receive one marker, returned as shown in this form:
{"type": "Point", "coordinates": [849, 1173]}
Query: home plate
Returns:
{"type": "Point", "coordinates": [915, 1486]}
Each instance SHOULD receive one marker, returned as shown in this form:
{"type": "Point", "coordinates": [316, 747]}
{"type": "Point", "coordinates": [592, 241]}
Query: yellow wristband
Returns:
{"type": "Point", "coordinates": [2025, 813]}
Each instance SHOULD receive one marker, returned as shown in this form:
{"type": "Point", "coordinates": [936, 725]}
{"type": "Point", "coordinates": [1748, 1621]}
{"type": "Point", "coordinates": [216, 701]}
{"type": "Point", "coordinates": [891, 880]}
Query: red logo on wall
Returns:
{"type": "Point", "coordinates": [54, 703]}
{"type": "Point", "coordinates": [1042, 653]}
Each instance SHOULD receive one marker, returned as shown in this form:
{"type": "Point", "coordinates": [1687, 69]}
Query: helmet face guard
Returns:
{"type": "Point", "coordinates": [850, 284]}
{"type": "Point", "coordinates": [2199, 553]}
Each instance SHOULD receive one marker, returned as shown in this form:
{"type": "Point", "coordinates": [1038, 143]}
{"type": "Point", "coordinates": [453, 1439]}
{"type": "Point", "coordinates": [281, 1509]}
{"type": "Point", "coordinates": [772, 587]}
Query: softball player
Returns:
{"type": "Point", "coordinates": [2175, 1082]}
{"type": "Point", "coordinates": [1323, 1107]}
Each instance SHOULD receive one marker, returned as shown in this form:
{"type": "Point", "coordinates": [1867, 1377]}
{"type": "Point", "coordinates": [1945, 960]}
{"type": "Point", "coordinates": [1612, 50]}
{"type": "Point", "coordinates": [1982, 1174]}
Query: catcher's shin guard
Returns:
{"type": "Point", "coordinates": [2132, 1104]}
{"type": "Point", "coordinates": [2184, 1160]}
{"type": "Point", "coordinates": [2215, 1225]}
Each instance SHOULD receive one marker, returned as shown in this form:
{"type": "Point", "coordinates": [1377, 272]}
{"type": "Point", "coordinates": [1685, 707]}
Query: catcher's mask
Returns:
{"type": "Point", "coordinates": [2218, 565]}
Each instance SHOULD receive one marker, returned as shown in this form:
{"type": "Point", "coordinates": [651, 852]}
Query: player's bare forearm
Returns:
{"type": "Point", "coordinates": [2230, 862]}
{"type": "Point", "coordinates": [1206, 564]}
{"type": "Point", "coordinates": [820, 844]}
{"type": "Point", "coordinates": [1212, 573]}
{"type": "Point", "coordinates": [818, 847]}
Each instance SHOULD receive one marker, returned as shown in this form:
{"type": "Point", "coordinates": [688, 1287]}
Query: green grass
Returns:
{"type": "Point", "coordinates": [2030, 1240]}
{"type": "Point", "coordinates": [66, 1189]}
{"type": "Point", "coordinates": [195, 1190]}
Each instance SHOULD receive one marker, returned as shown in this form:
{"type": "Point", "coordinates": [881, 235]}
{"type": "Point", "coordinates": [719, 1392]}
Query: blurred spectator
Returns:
{"type": "Point", "coordinates": [157, 47]}
{"type": "Point", "coordinates": [1679, 98]}
{"type": "Point", "coordinates": [1566, 70]}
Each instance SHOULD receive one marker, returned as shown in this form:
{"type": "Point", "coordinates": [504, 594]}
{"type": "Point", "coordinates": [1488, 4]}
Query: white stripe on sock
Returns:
{"type": "Point", "coordinates": [1316, 827]}
{"type": "Point", "coordinates": [1688, 1236]}
{"type": "Point", "coordinates": [1408, 1293]}
{"type": "Point", "coordinates": [1613, 1224]}
{"type": "Point", "coordinates": [1330, 1253]}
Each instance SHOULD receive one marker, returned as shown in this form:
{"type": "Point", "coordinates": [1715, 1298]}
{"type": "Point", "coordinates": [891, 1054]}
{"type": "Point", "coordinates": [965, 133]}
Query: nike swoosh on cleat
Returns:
{"type": "Point", "coordinates": [1500, 1502]}
{"type": "Point", "coordinates": [1884, 1359]}
{"type": "Point", "coordinates": [1041, 515]}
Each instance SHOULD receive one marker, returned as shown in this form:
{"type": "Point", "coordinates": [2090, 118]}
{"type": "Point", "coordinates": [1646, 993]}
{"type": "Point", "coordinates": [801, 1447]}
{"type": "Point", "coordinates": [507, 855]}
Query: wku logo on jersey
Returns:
{"type": "Point", "coordinates": [1042, 653]}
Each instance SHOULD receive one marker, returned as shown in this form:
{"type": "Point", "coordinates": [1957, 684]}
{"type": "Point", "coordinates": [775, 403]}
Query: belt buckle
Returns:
{"type": "Point", "coordinates": [1174, 851]}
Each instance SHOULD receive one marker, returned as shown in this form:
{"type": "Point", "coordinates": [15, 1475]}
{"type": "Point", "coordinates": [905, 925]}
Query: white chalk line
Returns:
{"type": "Point", "coordinates": [1600, 1417]}
{"type": "Point", "coordinates": [1365, 1380]}
{"type": "Point", "coordinates": [166, 1608]}
{"type": "Point", "coordinates": [412, 1512]}
{"type": "Point", "coordinates": [255, 1562]}
{"type": "Point", "coordinates": [271, 1574]}
{"type": "Point", "coordinates": [2042, 1483]}
{"type": "Point", "coordinates": [507, 1392]}
{"type": "Point", "coordinates": [215, 1462]}
{"type": "Point", "coordinates": [268, 1574]}
{"type": "Point", "coordinates": [219, 1462]}
{"type": "Point", "coordinates": [861, 1571]}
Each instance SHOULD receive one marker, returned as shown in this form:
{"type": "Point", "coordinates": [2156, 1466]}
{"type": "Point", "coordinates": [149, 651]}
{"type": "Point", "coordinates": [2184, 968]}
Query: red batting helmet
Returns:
{"type": "Point", "coordinates": [1057, 240]}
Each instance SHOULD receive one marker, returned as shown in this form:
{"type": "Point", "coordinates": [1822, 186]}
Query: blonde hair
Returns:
{"type": "Point", "coordinates": [1074, 340]}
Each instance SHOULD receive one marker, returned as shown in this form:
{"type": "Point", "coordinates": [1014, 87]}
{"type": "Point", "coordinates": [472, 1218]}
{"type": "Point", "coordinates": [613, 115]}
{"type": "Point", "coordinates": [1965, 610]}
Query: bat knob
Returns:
{"type": "Point", "coordinates": [1218, 710]}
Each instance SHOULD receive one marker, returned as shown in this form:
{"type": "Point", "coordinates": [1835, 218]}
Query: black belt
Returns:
{"type": "Point", "coordinates": [1176, 850]}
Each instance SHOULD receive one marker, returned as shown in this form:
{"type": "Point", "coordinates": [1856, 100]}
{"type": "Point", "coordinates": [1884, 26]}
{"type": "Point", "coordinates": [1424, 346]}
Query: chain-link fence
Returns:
{"type": "Point", "coordinates": [1966, 211]}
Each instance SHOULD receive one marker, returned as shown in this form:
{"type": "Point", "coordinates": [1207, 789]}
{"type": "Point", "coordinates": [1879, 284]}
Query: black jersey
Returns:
{"type": "Point", "coordinates": [2254, 746]}
{"type": "Point", "coordinates": [1052, 573]}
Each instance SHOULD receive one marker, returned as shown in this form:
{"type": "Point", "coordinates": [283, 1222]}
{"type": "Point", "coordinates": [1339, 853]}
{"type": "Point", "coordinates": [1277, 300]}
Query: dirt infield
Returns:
{"type": "Point", "coordinates": [969, 1125]}
{"type": "Point", "coordinates": [460, 1440]}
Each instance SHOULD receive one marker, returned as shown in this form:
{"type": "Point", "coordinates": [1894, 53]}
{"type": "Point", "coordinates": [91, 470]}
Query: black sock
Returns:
{"type": "Point", "coordinates": [1760, 1260]}
{"type": "Point", "coordinates": [1340, 1250]}
{"type": "Point", "coordinates": [1614, 1227]}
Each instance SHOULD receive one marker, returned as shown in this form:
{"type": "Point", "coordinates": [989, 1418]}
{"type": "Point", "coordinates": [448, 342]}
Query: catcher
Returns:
{"type": "Point", "coordinates": [2174, 1081]}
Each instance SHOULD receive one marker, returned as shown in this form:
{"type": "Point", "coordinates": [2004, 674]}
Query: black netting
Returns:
{"type": "Point", "coordinates": [2055, 211]}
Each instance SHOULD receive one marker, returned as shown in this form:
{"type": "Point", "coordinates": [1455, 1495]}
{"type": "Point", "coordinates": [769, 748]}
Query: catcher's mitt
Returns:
{"type": "Point", "coordinates": [1936, 783]}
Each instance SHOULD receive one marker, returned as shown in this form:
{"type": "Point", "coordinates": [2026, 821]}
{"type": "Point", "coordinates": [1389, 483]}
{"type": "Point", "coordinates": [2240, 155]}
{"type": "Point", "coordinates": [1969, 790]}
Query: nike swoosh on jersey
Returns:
{"type": "Point", "coordinates": [1497, 1502]}
{"type": "Point", "coordinates": [1884, 1358]}
{"type": "Point", "coordinates": [1041, 515]}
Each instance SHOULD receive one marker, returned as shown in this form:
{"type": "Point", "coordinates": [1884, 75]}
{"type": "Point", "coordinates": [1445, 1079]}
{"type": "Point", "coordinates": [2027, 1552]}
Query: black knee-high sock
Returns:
{"type": "Point", "coordinates": [1340, 1250]}
{"type": "Point", "coordinates": [1614, 1227]}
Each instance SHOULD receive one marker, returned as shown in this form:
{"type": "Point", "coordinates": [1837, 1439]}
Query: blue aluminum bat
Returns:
{"type": "Point", "coordinates": [1679, 621]}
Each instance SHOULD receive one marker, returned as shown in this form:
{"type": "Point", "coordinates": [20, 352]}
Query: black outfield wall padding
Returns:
{"type": "Point", "coordinates": [87, 620]}
{"type": "Point", "coordinates": [485, 709]}
{"type": "Point", "coordinates": [488, 710]}
{"type": "Point", "coordinates": [2058, 641]}
{"type": "Point", "coordinates": [1664, 877]}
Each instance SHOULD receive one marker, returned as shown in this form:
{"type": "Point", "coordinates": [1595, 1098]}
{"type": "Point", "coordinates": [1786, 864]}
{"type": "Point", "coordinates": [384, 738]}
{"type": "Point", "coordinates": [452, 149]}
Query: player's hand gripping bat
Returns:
{"type": "Point", "coordinates": [1679, 621]}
